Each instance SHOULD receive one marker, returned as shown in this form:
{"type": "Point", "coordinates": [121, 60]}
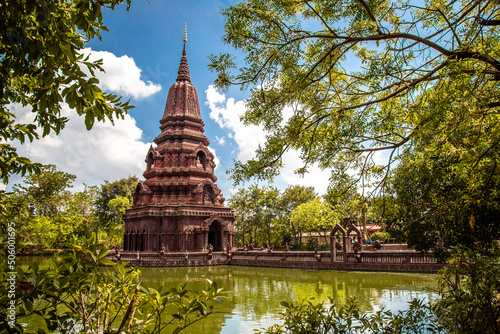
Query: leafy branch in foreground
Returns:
{"type": "Point", "coordinates": [42, 66]}
{"type": "Point", "coordinates": [365, 78]}
{"type": "Point", "coordinates": [88, 293]}
{"type": "Point", "coordinates": [307, 317]}
{"type": "Point", "coordinates": [467, 301]}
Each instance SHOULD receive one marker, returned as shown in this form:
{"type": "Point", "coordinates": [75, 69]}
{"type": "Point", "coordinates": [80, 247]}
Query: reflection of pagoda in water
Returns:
{"type": "Point", "coordinates": [179, 207]}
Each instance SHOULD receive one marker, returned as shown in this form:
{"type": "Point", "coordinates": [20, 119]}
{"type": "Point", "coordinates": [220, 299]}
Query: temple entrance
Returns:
{"type": "Point", "coordinates": [214, 236]}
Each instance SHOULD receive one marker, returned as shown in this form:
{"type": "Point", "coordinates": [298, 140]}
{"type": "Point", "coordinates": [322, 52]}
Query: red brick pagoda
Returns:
{"type": "Point", "coordinates": [179, 207]}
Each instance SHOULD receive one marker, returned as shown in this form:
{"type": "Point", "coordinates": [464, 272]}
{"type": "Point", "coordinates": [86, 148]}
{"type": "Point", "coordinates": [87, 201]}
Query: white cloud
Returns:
{"type": "Point", "coordinates": [220, 141]}
{"type": "Point", "coordinates": [106, 152]}
{"type": "Point", "coordinates": [227, 113]}
{"type": "Point", "coordinates": [121, 75]}
{"type": "Point", "coordinates": [216, 158]}
{"type": "Point", "coordinates": [315, 177]}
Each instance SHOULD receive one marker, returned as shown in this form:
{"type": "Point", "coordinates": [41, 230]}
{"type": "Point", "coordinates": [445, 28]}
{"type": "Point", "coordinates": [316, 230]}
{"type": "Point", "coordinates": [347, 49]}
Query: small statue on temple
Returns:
{"type": "Point", "coordinates": [250, 246]}
{"type": "Point", "coordinates": [117, 252]}
{"type": "Point", "coordinates": [357, 250]}
{"type": "Point", "coordinates": [210, 249]}
{"type": "Point", "coordinates": [245, 247]}
{"type": "Point", "coordinates": [287, 248]}
{"type": "Point", "coordinates": [261, 246]}
{"type": "Point", "coordinates": [316, 248]}
{"type": "Point", "coordinates": [138, 256]}
{"type": "Point", "coordinates": [356, 247]}
{"type": "Point", "coordinates": [162, 250]}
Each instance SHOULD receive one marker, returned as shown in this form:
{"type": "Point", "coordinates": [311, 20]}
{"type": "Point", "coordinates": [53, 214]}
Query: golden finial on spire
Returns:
{"type": "Point", "coordinates": [185, 35]}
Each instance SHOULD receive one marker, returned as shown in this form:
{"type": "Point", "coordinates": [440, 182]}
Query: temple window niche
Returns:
{"type": "Point", "coordinates": [201, 160]}
{"type": "Point", "coordinates": [150, 160]}
{"type": "Point", "coordinates": [208, 194]}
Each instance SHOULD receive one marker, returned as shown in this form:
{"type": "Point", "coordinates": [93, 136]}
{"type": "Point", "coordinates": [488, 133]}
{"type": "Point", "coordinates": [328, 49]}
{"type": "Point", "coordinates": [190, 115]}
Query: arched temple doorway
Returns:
{"type": "Point", "coordinates": [215, 235]}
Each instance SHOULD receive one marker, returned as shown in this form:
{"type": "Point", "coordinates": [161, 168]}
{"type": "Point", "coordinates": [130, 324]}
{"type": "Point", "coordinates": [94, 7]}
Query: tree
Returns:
{"type": "Point", "coordinates": [439, 205]}
{"type": "Point", "coordinates": [314, 216]}
{"type": "Point", "coordinates": [402, 78]}
{"type": "Point", "coordinates": [257, 210]}
{"type": "Point", "coordinates": [107, 215]}
{"type": "Point", "coordinates": [42, 66]}
{"type": "Point", "coordinates": [45, 212]}
{"type": "Point", "coordinates": [292, 197]}
{"type": "Point", "coordinates": [239, 203]}
{"type": "Point", "coordinates": [47, 190]}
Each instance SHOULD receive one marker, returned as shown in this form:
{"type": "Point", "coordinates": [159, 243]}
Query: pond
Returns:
{"type": "Point", "coordinates": [256, 293]}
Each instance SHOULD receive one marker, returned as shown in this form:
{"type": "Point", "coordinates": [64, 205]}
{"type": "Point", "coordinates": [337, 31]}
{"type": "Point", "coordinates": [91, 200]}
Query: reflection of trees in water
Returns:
{"type": "Point", "coordinates": [257, 292]}
{"type": "Point", "coordinates": [259, 296]}
{"type": "Point", "coordinates": [196, 278]}
{"type": "Point", "coordinates": [275, 285]}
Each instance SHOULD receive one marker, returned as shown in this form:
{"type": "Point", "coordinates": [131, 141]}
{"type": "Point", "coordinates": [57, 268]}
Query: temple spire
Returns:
{"type": "Point", "coordinates": [183, 72]}
{"type": "Point", "coordinates": [185, 35]}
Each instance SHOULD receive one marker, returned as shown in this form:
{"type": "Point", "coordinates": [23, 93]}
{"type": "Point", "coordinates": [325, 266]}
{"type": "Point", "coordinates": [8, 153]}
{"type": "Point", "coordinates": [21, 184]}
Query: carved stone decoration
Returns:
{"type": "Point", "coordinates": [178, 207]}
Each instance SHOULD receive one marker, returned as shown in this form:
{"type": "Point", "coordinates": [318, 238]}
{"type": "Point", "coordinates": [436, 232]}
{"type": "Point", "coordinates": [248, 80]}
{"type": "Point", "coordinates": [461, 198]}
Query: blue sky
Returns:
{"type": "Point", "coordinates": [141, 55]}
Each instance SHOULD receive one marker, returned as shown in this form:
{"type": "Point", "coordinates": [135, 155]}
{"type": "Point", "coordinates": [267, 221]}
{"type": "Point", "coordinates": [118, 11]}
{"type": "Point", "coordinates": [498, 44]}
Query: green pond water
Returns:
{"type": "Point", "coordinates": [256, 293]}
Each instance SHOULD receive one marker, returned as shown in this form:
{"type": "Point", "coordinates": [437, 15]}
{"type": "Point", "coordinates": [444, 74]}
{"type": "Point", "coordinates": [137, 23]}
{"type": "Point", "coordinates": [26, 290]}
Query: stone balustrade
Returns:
{"type": "Point", "coordinates": [395, 261]}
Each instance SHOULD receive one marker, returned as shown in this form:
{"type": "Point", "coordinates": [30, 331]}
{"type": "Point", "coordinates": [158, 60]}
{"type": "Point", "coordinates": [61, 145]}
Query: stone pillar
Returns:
{"type": "Point", "coordinates": [222, 241]}
{"type": "Point", "coordinates": [344, 246]}
{"type": "Point", "coordinates": [178, 235]}
{"type": "Point", "coordinates": [333, 249]}
{"type": "Point", "coordinates": [184, 241]}
{"type": "Point", "coordinates": [205, 240]}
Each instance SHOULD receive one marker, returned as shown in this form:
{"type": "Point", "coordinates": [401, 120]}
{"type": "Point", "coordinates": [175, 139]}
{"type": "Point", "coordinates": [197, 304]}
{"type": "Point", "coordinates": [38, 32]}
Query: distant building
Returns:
{"type": "Point", "coordinates": [322, 240]}
{"type": "Point", "coordinates": [179, 207]}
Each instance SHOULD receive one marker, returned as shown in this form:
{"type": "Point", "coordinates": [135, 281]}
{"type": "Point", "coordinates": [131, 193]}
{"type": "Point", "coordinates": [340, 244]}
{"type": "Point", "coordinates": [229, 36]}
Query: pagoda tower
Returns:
{"type": "Point", "coordinates": [179, 207]}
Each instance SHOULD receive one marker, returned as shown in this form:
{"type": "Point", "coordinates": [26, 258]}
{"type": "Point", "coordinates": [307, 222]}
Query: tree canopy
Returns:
{"type": "Point", "coordinates": [373, 85]}
{"type": "Point", "coordinates": [264, 214]}
{"type": "Point", "coordinates": [42, 66]}
{"type": "Point", "coordinates": [365, 77]}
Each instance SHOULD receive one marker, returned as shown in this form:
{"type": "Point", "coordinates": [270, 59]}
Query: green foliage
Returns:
{"type": "Point", "coordinates": [381, 236]}
{"type": "Point", "coordinates": [307, 317]}
{"type": "Point", "coordinates": [314, 217]}
{"type": "Point", "coordinates": [46, 214]}
{"type": "Point", "coordinates": [470, 292]}
{"type": "Point", "coordinates": [111, 202]}
{"type": "Point", "coordinates": [263, 214]}
{"type": "Point", "coordinates": [88, 293]}
{"type": "Point", "coordinates": [372, 84]}
{"type": "Point", "coordinates": [439, 200]}
{"type": "Point", "coordinates": [46, 190]}
{"type": "Point", "coordinates": [42, 66]}
{"type": "Point", "coordinates": [117, 207]}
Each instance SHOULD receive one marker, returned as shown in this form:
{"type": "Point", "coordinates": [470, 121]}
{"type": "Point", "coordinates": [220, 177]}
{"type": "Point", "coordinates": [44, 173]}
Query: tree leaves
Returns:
{"type": "Point", "coordinates": [41, 66]}
{"type": "Point", "coordinates": [361, 77]}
